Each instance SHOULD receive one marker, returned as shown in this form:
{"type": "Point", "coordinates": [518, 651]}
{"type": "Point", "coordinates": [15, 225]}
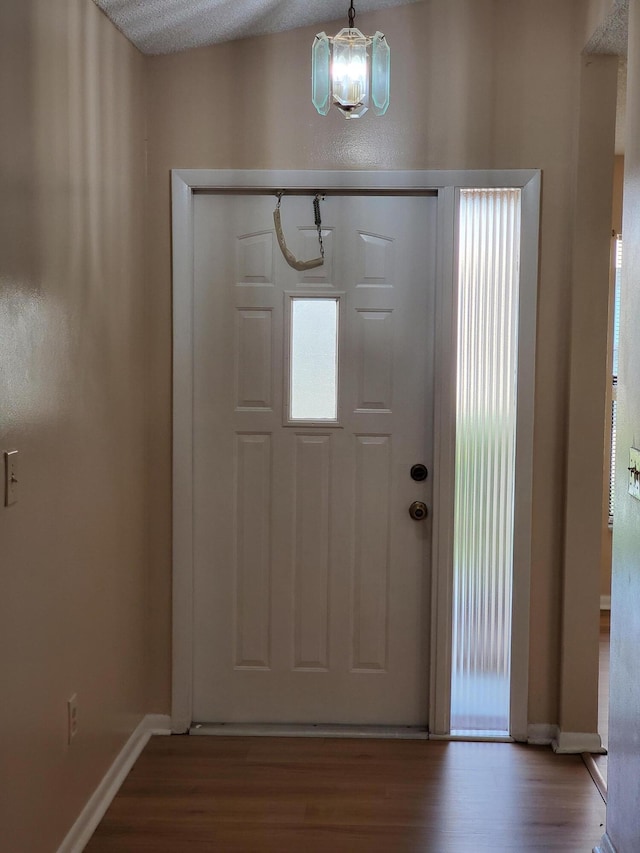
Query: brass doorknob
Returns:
{"type": "Point", "coordinates": [418, 511]}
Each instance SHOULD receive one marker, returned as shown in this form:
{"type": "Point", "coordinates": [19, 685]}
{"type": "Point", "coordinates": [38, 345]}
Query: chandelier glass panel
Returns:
{"type": "Point", "coordinates": [350, 71]}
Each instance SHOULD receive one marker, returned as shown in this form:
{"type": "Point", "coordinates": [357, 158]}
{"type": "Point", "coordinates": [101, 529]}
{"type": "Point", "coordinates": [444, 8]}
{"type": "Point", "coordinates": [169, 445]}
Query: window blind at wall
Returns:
{"type": "Point", "coordinates": [615, 338]}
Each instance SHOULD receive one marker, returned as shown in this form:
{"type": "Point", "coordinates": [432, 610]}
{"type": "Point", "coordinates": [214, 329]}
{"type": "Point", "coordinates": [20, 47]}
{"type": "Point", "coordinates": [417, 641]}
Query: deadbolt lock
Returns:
{"type": "Point", "coordinates": [418, 511]}
{"type": "Point", "coordinates": [419, 472]}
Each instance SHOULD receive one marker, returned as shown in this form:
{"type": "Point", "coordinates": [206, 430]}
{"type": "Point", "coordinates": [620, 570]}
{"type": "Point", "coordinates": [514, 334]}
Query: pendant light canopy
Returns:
{"type": "Point", "coordinates": [351, 71]}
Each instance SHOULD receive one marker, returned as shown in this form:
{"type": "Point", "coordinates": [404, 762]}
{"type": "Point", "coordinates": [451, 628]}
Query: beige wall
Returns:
{"type": "Point", "coordinates": [476, 84]}
{"type": "Point", "coordinates": [618, 187]}
{"type": "Point", "coordinates": [72, 363]}
{"type": "Point", "coordinates": [607, 543]}
{"type": "Point", "coordinates": [589, 388]}
{"type": "Point", "coordinates": [623, 817]}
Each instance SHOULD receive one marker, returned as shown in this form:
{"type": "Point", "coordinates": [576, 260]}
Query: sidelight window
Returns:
{"type": "Point", "coordinates": [487, 347]}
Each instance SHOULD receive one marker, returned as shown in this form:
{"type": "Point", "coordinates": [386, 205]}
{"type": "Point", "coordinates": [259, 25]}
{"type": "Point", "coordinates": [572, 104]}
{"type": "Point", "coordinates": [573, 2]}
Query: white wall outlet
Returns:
{"type": "Point", "coordinates": [10, 477]}
{"type": "Point", "coordinates": [634, 473]}
{"type": "Point", "coordinates": [72, 717]}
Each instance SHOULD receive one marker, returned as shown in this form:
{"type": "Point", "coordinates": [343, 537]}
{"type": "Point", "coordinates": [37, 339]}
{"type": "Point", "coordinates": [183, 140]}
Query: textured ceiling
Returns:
{"type": "Point", "coordinates": [166, 26]}
{"type": "Point", "coordinates": [621, 113]}
{"type": "Point", "coordinates": [611, 37]}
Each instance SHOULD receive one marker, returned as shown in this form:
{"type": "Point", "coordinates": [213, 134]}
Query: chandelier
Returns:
{"type": "Point", "coordinates": [351, 71]}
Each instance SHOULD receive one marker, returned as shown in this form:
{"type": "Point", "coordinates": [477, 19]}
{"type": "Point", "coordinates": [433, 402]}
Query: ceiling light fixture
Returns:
{"type": "Point", "coordinates": [351, 71]}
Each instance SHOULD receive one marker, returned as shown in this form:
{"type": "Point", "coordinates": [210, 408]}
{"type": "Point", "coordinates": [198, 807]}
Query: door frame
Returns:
{"type": "Point", "coordinates": [185, 183]}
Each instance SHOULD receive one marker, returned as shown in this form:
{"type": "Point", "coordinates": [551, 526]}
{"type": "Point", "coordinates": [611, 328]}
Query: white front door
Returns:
{"type": "Point", "coordinates": [311, 580]}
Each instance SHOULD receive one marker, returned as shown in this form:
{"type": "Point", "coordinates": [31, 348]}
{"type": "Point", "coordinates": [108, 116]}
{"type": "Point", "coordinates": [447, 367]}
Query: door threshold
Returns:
{"type": "Point", "coordinates": [310, 730]}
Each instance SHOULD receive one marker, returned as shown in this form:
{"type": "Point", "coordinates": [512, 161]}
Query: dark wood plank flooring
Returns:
{"type": "Point", "coordinates": [294, 795]}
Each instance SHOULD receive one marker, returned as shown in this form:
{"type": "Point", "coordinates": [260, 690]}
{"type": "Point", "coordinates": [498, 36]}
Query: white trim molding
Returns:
{"type": "Point", "coordinates": [443, 463]}
{"type": "Point", "coordinates": [606, 845]}
{"type": "Point", "coordinates": [567, 743]}
{"type": "Point", "coordinates": [186, 183]}
{"type": "Point", "coordinates": [523, 497]}
{"type": "Point", "coordinates": [91, 815]}
{"type": "Point", "coordinates": [542, 734]}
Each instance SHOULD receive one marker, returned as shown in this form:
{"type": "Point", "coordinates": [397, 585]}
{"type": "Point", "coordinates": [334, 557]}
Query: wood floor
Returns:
{"type": "Point", "coordinates": [295, 795]}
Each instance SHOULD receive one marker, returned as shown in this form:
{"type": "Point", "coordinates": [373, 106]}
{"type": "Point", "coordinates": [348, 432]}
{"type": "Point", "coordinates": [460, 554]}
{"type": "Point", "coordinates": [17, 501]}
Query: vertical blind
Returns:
{"type": "Point", "coordinates": [488, 283]}
{"type": "Point", "coordinates": [614, 370]}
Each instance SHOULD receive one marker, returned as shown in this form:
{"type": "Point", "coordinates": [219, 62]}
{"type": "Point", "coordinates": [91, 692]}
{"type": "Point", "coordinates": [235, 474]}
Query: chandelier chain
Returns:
{"type": "Point", "coordinates": [318, 221]}
{"type": "Point", "coordinates": [352, 15]}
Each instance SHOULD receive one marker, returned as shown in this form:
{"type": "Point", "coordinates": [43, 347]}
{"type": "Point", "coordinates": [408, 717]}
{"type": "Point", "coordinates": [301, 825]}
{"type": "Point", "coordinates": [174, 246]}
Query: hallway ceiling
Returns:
{"type": "Point", "coordinates": [167, 26]}
{"type": "Point", "coordinates": [611, 37]}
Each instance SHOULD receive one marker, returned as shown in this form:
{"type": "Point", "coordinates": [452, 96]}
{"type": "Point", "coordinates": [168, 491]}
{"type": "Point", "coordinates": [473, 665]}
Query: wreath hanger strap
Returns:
{"type": "Point", "coordinates": [289, 257]}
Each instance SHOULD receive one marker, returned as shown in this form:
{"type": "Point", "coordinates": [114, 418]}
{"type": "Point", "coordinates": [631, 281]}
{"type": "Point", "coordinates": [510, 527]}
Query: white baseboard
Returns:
{"type": "Point", "coordinates": [605, 845]}
{"type": "Point", "coordinates": [568, 743]}
{"type": "Point", "coordinates": [605, 602]}
{"type": "Point", "coordinates": [91, 815]}
{"type": "Point", "coordinates": [309, 731]}
{"type": "Point", "coordinates": [541, 734]}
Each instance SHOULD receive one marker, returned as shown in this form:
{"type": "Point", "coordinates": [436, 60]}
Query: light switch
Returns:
{"type": "Point", "coordinates": [634, 473]}
{"type": "Point", "coordinates": [10, 477]}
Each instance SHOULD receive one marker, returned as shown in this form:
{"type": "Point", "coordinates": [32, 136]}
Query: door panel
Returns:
{"type": "Point", "coordinates": [311, 580]}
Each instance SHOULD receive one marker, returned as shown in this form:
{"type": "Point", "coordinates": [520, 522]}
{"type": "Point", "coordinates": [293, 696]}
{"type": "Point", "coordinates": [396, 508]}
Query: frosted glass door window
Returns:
{"type": "Point", "coordinates": [314, 360]}
{"type": "Point", "coordinates": [487, 347]}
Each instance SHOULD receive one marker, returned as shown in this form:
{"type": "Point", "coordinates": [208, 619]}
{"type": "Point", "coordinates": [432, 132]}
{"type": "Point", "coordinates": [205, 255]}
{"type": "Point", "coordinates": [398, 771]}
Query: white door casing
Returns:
{"type": "Point", "coordinates": [311, 581]}
{"type": "Point", "coordinates": [186, 185]}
